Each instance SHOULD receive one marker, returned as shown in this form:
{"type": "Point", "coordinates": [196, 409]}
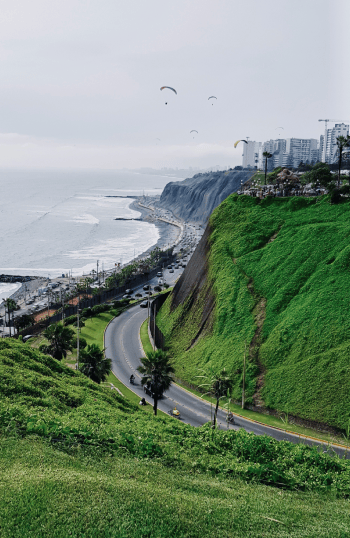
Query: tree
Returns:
{"type": "Point", "coordinates": [21, 322]}
{"type": "Point", "coordinates": [156, 371]}
{"type": "Point", "coordinates": [219, 384]}
{"type": "Point", "coordinates": [319, 175]}
{"type": "Point", "coordinates": [267, 155]}
{"type": "Point", "coordinates": [11, 305]}
{"type": "Point", "coordinates": [342, 143]}
{"type": "Point", "coordinates": [94, 364]}
{"type": "Point", "coordinates": [60, 340]}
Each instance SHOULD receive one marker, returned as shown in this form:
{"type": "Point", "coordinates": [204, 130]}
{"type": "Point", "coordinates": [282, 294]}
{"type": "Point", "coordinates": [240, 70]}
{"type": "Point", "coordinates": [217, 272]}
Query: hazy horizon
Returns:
{"type": "Point", "coordinates": [80, 84]}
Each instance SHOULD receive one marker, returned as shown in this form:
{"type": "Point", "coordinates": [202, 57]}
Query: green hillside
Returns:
{"type": "Point", "coordinates": [279, 271]}
{"type": "Point", "coordinates": [77, 459]}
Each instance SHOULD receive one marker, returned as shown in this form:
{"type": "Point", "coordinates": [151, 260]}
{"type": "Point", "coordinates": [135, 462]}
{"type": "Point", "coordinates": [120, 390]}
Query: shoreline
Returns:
{"type": "Point", "coordinates": [169, 235]}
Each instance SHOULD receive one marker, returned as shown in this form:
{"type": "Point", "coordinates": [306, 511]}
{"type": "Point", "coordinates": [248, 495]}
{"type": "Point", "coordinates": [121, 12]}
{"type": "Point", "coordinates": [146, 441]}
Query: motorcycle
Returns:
{"type": "Point", "coordinates": [132, 380]}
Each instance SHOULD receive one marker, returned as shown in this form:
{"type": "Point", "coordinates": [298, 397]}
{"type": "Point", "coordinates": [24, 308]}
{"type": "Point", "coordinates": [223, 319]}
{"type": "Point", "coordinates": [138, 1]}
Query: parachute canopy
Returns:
{"type": "Point", "coordinates": [193, 131]}
{"type": "Point", "coordinates": [168, 88]}
{"type": "Point", "coordinates": [238, 141]}
{"type": "Point", "coordinates": [212, 97]}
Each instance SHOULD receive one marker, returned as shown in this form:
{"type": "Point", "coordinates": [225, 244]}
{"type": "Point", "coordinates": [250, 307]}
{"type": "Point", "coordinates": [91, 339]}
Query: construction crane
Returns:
{"type": "Point", "coordinates": [325, 137]}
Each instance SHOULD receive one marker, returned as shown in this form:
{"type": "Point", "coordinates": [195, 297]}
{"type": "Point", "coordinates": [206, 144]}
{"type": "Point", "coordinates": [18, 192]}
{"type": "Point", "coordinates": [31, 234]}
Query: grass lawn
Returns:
{"type": "Point", "coordinates": [146, 344]}
{"type": "Point", "coordinates": [46, 492]}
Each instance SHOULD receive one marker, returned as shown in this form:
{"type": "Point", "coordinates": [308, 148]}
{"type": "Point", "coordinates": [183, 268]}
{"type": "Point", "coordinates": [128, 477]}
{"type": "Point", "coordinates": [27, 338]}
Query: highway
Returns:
{"type": "Point", "coordinates": [123, 347]}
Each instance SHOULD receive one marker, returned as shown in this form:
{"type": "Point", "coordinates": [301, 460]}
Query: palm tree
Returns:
{"type": "Point", "coordinates": [156, 371]}
{"type": "Point", "coordinates": [219, 384]}
{"type": "Point", "coordinates": [267, 155]}
{"type": "Point", "coordinates": [94, 364]}
{"type": "Point", "coordinates": [61, 340]}
{"type": "Point", "coordinates": [342, 143]}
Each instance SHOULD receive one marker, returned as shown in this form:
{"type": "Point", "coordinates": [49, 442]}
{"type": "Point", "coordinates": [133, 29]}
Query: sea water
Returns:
{"type": "Point", "coordinates": [53, 222]}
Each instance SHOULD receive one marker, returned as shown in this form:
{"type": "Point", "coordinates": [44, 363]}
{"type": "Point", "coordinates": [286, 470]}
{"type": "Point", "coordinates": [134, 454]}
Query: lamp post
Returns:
{"type": "Point", "coordinates": [78, 333]}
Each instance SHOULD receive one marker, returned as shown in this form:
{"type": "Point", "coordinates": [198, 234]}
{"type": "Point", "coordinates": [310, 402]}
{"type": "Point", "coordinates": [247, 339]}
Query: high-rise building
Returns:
{"type": "Point", "coordinates": [250, 154]}
{"type": "Point", "coordinates": [340, 129]}
{"type": "Point", "coordinates": [301, 149]}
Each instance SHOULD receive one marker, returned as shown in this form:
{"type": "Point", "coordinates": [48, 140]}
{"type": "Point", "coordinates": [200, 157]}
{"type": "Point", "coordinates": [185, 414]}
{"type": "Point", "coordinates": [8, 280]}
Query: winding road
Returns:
{"type": "Point", "coordinates": [123, 347]}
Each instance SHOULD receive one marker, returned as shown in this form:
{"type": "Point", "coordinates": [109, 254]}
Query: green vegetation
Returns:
{"type": "Point", "coordinates": [157, 373]}
{"type": "Point", "coordinates": [146, 344]}
{"type": "Point", "coordinates": [78, 459]}
{"type": "Point", "coordinates": [280, 273]}
{"type": "Point", "coordinates": [46, 492]}
{"type": "Point", "coordinates": [60, 340]}
{"type": "Point", "coordinates": [94, 364]}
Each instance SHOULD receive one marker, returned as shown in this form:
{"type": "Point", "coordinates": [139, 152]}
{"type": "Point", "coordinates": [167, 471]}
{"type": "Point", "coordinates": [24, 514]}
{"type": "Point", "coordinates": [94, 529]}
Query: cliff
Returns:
{"type": "Point", "coordinates": [195, 198]}
{"type": "Point", "coordinates": [269, 278]}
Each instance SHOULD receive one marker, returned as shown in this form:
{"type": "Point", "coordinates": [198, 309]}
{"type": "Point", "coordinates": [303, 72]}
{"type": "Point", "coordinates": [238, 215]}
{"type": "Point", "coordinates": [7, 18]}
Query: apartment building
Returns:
{"type": "Point", "coordinates": [340, 129]}
{"type": "Point", "coordinates": [250, 154]}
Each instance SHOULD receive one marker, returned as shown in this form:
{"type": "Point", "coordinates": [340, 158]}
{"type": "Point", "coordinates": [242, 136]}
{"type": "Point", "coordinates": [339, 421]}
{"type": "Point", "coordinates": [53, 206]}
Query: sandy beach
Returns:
{"type": "Point", "coordinates": [168, 236]}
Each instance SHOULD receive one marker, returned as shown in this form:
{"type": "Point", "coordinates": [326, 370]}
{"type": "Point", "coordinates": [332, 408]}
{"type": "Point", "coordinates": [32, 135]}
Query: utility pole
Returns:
{"type": "Point", "coordinates": [78, 331]}
{"type": "Point", "coordinates": [243, 390]}
{"type": "Point", "coordinates": [97, 273]}
{"type": "Point", "coordinates": [8, 316]}
{"type": "Point", "coordinates": [48, 308]}
{"type": "Point", "coordinates": [62, 301]}
{"type": "Point", "coordinates": [154, 326]}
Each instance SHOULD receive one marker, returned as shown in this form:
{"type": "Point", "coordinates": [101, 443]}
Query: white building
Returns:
{"type": "Point", "coordinates": [250, 154]}
{"type": "Point", "coordinates": [301, 149]}
{"type": "Point", "coordinates": [340, 129]}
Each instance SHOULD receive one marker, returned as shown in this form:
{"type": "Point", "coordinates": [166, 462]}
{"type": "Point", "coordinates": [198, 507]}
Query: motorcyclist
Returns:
{"type": "Point", "coordinates": [132, 379]}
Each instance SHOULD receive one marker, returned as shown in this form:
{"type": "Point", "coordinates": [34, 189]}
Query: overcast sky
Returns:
{"type": "Point", "coordinates": [80, 79]}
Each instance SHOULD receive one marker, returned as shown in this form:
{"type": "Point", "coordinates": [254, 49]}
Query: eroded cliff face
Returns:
{"type": "Point", "coordinates": [194, 285]}
{"type": "Point", "coordinates": [195, 198]}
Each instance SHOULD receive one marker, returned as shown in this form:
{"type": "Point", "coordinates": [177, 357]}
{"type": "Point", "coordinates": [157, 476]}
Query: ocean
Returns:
{"type": "Point", "coordinates": [54, 221]}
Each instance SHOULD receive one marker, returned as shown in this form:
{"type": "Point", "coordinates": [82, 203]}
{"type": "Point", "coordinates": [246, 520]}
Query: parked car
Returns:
{"type": "Point", "coordinates": [144, 304]}
{"type": "Point", "coordinates": [157, 288]}
{"type": "Point", "coordinates": [126, 296]}
{"type": "Point", "coordinates": [176, 266]}
{"type": "Point", "coordinates": [171, 270]}
{"type": "Point", "coordinates": [170, 266]}
{"type": "Point", "coordinates": [146, 287]}
{"type": "Point", "coordinates": [159, 274]}
{"type": "Point", "coordinates": [129, 292]}
{"type": "Point", "coordinates": [138, 294]}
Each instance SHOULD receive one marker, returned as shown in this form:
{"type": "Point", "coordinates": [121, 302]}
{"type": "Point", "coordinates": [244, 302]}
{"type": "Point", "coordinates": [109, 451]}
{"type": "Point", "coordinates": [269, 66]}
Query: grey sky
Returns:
{"type": "Point", "coordinates": [80, 79]}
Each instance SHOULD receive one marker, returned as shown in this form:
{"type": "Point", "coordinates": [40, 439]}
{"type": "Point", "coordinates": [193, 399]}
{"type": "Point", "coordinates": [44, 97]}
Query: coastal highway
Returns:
{"type": "Point", "coordinates": [123, 347]}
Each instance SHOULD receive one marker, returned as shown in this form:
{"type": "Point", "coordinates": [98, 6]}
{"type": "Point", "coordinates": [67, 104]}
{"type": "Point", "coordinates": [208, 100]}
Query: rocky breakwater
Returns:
{"type": "Point", "coordinates": [195, 198]}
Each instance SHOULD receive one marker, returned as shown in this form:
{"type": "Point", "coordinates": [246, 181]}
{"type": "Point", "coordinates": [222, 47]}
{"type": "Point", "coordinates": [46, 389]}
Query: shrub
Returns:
{"type": "Point", "coordinates": [70, 320]}
{"type": "Point", "coordinates": [87, 312]}
{"type": "Point", "coordinates": [82, 342]}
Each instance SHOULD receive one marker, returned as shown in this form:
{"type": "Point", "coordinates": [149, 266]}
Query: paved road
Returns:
{"type": "Point", "coordinates": [123, 347]}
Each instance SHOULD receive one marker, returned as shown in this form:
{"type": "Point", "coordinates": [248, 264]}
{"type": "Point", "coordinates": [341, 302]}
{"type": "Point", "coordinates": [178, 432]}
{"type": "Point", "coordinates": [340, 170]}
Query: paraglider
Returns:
{"type": "Point", "coordinates": [238, 141]}
{"type": "Point", "coordinates": [212, 97]}
{"type": "Point", "coordinates": [168, 88]}
{"type": "Point", "coordinates": [193, 131]}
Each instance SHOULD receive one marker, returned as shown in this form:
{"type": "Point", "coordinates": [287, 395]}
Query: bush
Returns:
{"type": "Point", "coordinates": [87, 312]}
{"type": "Point", "coordinates": [99, 308]}
{"type": "Point", "coordinates": [82, 342]}
{"type": "Point", "coordinates": [70, 320]}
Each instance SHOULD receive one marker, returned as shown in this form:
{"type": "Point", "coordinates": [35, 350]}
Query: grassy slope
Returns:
{"type": "Point", "coordinates": [46, 492]}
{"type": "Point", "coordinates": [304, 277]}
{"type": "Point", "coordinates": [78, 459]}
